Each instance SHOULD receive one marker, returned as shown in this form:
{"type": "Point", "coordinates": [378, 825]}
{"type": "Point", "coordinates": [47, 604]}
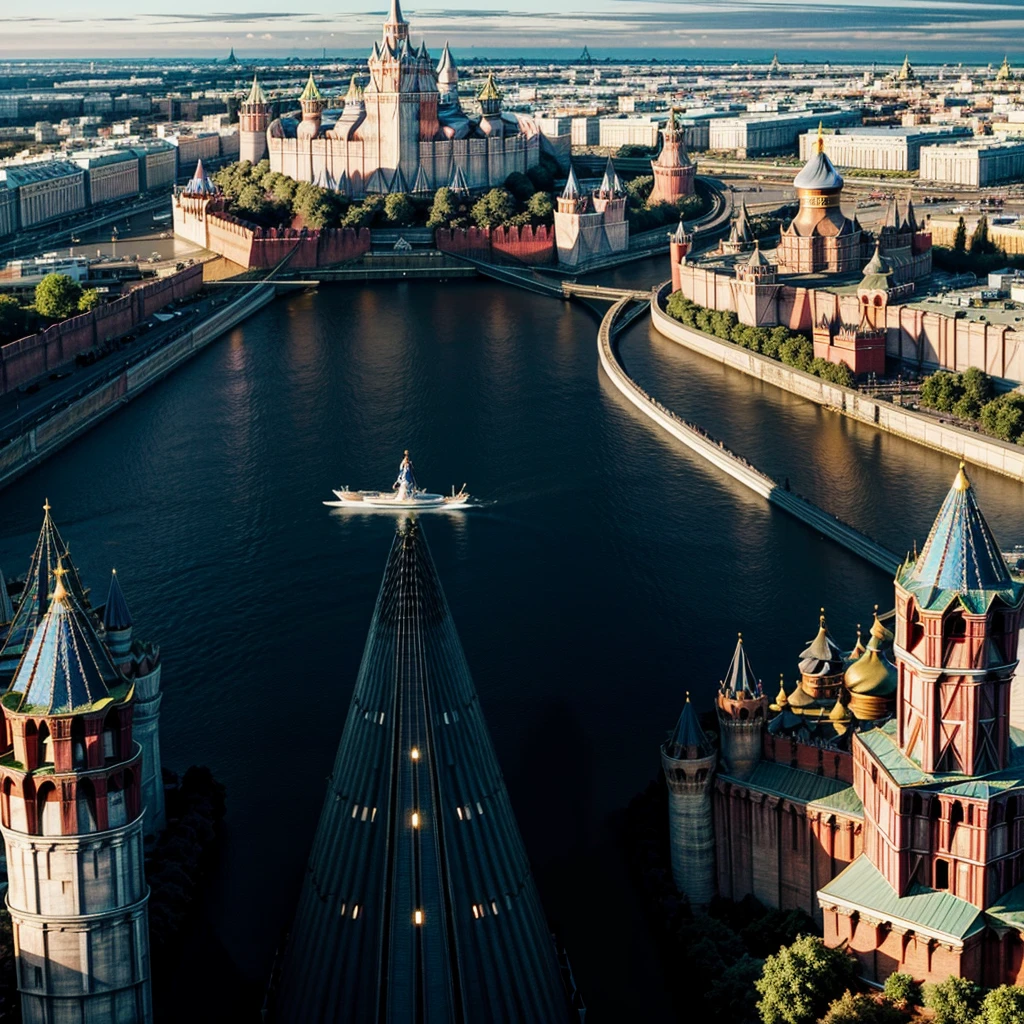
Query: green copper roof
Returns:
{"type": "Point", "coordinates": [960, 558]}
{"type": "Point", "coordinates": [1009, 909]}
{"type": "Point", "coordinates": [311, 92]}
{"type": "Point", "coordinates": [792, 783]}
{"type": "Point", "coordinates": [844, 801]}
{"type": "Point", "coordinates": [490, 91]}
{"type": "Point", "coordinates": [935, 914]}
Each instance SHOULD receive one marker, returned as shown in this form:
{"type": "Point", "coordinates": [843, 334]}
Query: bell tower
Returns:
{"type": "Point", "coordinates": [70, 797]}
{"type": "Point", "coordinates": [253, 120]}
{"type": "Point", "coordinates": [958, 615]}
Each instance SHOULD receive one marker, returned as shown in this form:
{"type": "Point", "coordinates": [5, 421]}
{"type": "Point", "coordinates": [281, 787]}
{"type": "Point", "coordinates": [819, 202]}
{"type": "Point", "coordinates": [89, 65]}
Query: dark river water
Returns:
{"type": "Point", "coordinates": [607, 574]}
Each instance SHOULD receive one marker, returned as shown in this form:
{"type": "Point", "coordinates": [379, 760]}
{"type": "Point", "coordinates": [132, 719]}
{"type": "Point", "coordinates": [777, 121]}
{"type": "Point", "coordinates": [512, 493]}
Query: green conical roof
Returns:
{"type": "Point", "coordinates": [490, 91]}
{"type": "Point", "coordinates": [311, 92]}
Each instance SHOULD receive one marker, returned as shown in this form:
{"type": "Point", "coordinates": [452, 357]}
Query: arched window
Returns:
{"type": "Point", "coordinates": [78, 759]}
{"type": "Point", "coordinates": [916, 804]}
{"type": "Point", "coordinates": [915, 628]}
{"type": "Point", "coordinates": [942, 874]}
{"type": "Point", "coordinates": [48, 808]}
{"type": "Point", "coordinates": [111, 736]}
{"type": "Point", "coordinates": [956, 817]}
{"type": "Point", "coordinates": [85, 805]}
{"type": "Point", "coordinates": [45, 744]}
{"type": "Point", "coordinates": [117, 812]}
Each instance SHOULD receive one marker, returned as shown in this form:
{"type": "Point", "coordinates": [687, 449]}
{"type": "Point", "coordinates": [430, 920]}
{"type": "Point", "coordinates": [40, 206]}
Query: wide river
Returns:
{"type": "Point", "coordinates": [606, 575]}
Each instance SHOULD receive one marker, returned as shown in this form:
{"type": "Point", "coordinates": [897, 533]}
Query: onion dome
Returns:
{"type": "Point", "coordinates": [960, 559]}
{"type": "Point", "coordinates": [873, 673]}
{"type": "Point", "coordinates": [311, 92]}
{"type": "Point", "coordinates": [876, 272]}
{"type": "Point", "coordinates": [781, 700]}
{"type": "Point", "coordinates": [740, 680]}
{"type": "Point", "coordinates": [65, 667]}
{"type": "Point", "coordinates": [821, 657]}
{"type": "Point", "coordinates": [858, 647]}
{"type": "Point", "coordinates": [819, 173]}
{"type": "Point", "coordinates": [838, 712]}
{"type": "Point", "coordinates": [688, 741]}
{"type": "Point", "coordinates": [800, 699]}
{"type": "Point", "coordinates": [116, 615]}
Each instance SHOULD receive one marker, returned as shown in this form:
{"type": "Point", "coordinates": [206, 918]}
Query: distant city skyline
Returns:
{"type": "Point", "coordinates": [951, 30]}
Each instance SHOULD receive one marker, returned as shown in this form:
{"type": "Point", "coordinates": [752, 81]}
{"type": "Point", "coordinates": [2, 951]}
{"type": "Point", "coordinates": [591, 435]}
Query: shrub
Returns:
{"type": "Point", "coordinates": [398, 209]}
{"type": "Point", "coordinates": [953, 1001]}
{"type": "Point", "coordinates": [902, 991]}
{"type": "Point", "coordinates": [800, 981]}
{"type": "Point", "coordinates": [89, 299]}
{"type": "Point", "coordinates": [540, 207]}
{"type": "Point", "coordinates": [860, 1009]}
{"type": "Point", "coordinates": [520, 186]}
{"type": "Point", "coordinates": [12, 317]}
{"type": "Point", "coordinates": [57, 296]}
{"type": "Point", "coordinates": [493, 209]}
{"type": "Point", "coordinates": [1003, 1005]}
{"type": "Point", "coordinates": [1004, 416]}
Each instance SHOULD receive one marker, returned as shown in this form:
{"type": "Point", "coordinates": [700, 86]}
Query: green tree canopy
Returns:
{"type": "Point", "coordinates": [1003, 1005]}
{"type": "Point", "coordinates": [443, 210]}
{"type": "Point", "coordinates": [861, 1009]}
{"type": "Point", "coordinates": [540, 207]}
{"type": "Point", "coordinates": [541, 178]}
{"type": "Point", "coordinates": [902, 991]}
{"type": "Point", "coordinates": [399, 210]}
{"type": "Point", "coordinates": [953, 1001]}
{"type": "Point", "coordinates": [800, 981]}
{"type": "Point", "coordinates": [89, 299]}
{"type": "Point", "coordinates": [494, 208]}
{"type": "Point", "coordinates": [57, 296]}
{"type": "Point", "coordinates": [520, 186]}
{"type": "Point", "coordinates": [12, 318]}
{"type": "Point", "coordinates": [980, 241]}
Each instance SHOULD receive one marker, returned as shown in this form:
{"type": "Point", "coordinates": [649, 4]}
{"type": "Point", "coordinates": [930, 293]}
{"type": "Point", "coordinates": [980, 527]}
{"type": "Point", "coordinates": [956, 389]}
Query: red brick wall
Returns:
{"type": "Point", "coordinates": [28, 358]}
{"type": "Point", "coordinates": [526, 244]}
{"type": "Point", "coordinates": [836, 764]}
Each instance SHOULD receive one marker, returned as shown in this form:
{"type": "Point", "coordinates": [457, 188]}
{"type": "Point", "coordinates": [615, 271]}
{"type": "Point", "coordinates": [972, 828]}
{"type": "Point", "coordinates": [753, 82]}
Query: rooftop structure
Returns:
{"type": "Point", "coordinates": [419, 901]}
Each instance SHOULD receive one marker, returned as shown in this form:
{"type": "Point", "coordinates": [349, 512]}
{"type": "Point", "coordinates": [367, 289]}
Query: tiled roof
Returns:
{"type": "Point", "coordinates": [1009, 909]}
{"type": "Point", "coordinates": [935, 914]}
{"type": "Point", "coordinates": [960, 558]}
{"type": "Point", "coordinates": [792, 783]}
{"type": "Point", "coordinates": [688, 739]}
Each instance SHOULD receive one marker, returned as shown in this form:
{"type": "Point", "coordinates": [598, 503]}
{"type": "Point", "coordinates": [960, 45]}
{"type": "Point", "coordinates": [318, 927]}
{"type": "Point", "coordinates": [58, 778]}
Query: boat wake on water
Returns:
{"type": "Point", "coordinates": [405, 496]}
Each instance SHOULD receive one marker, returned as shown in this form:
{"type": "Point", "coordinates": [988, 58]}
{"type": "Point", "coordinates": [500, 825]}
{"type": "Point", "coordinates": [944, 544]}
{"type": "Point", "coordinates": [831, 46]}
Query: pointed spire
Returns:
{"type": "Point", "coordinates": [311, 92]}
{"type": "Point", "coordinates": [740, 680]}
{"type": "Point", "coordinates": [490, 91]}
{"type": "Point", "coordinates": [256, 93]}
{"type": "Point", "coordinates": [680, 237]}
{"type": "Point", "coordinates": [688, 741]}
{"type": "Point", "coordinates": [821, 657]}
{"type": "Point", "coordinates": [116, 615]}
{"type": "Point", "coordinates": [418, 858]}
{"type": "Point", "coordinates": [458, 183]}
{"type": "Point", "coordinates": [446, 63]}
{"type": "Point", "coordinates": [200, 184]}
{"type": "Point", "coordinates": [355, 91]}
{"type": "Point", "coordinates": [819, 143]}
{"type": "Point", "coordinates": [572, 185]}
{"type": "Point", "coordinates": [65, 667]}
{"type": "Point", "coordinates": [421, 185]}
{"type": "Point", "coordinates": [858, 647]}
{"type": "Point", "coordinates": [610, 184]}
{"type": "Point", "coordinates": [961, 556]}
{"type": "Point", "coordinates": [781, 700]}
{"type": "Point", "coordinates": [395, 14]}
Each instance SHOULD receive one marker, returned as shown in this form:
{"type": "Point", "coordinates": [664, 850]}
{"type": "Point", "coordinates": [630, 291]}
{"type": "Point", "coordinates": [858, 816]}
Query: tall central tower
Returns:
{"type": "Point", "coordinates": [418, 902]}
{"type": "Point", "coordinates": [253, 120]}
{"type": "Point", "coordinates": [71, 807]}
{"type": "Point", "coordinates": [396, 28]}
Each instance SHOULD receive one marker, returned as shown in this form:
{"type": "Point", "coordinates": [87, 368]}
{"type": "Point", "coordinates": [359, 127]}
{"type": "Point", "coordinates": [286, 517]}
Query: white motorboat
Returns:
{"type": "Point", "coordinates": [405, 495]}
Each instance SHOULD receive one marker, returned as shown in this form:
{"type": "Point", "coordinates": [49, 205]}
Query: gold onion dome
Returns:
{"type": "Point", "coordinates": [821, 657]}
{"type": "Point", "coordinates": [490, 90]}
{"type": "Point", "coordinates": [838, 712]}
{"type": "Point", "coordinates": [781, 699]}
{"type": "Point", "coordinates": [800, 699]}
{"type": "Point", "coordinates": [858, 647]}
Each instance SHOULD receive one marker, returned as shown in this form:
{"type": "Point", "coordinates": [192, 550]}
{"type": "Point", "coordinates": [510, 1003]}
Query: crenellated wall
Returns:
{"type": "Point", "coordinates": [526, 244]}
{"type": "Point", "coordinates": [31, 357]}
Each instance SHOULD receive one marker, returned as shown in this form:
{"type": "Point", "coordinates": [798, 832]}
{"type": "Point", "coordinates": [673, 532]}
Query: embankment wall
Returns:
{"type": "Point", "coordinates": [991, 453]}
{"type": "Point", "coordinates": [65, 424]}
{"type": "Point", "coordinates": [39, 354]}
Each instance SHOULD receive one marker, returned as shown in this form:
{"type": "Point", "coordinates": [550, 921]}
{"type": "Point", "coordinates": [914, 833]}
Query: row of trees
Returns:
{"type": "Point", "coordinates": [808, 982]}
{"type": "Point", "coordinates": [775, 342]}
{"type": "Point", "coordinates": [56, 297]}
{"type": "Point", "coordinates": [643, 215]}
{"type": "Point", "coordinates": [969, 396]}
{"type": "Point", "coordinates": [270, 198]}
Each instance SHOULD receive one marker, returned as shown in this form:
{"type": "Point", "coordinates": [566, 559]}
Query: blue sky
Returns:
{"type": "Point", "coordinates": [941, 29]}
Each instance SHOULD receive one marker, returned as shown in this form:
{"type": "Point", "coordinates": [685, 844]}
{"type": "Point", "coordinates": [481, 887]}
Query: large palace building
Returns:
{"type": "Point", "coordinates": [883, 792]}
{"type": "Point", "coordinates": [404, 130]}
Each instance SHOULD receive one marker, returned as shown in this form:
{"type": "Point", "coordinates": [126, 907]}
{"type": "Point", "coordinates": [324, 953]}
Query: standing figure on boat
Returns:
{"type": "Point", "coordinates": [406, 482]}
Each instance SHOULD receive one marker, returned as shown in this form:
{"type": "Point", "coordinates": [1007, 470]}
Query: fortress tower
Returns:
{"type": "Point", "coordinates": [673, 170]}
{"type": "Point", "coordinates": [253, 121]}
{"type": "Point", "coordinates": [70, 796]}
{"type": "Point", "coordinates": [418, 901]}
{"type": "Point", "coordinates": [688, 760]}
{"type": "Point", "coordinates": [679, 245]}
{"type": "Point", "coordinates": [742, 711]}
{"type": "Point", "coordinates": [139, 663]}
{"type": "Point", "coordinates": [756, 288]}
{"type": "Point", "coordinates": [588, 227]}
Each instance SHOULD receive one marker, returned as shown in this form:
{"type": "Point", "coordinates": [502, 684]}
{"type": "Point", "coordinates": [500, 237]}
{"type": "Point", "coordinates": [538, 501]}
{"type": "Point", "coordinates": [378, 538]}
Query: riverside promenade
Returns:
{"type": "Point", "coordinates": [716, 453]}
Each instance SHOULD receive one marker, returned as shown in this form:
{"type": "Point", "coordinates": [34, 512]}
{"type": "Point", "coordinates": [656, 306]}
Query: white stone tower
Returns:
{"type": "Point", "coordinates": [688, 760]}
{"type": "Point", "coordinates": [70, 795]}
{"type": "Point", "coordinates": [253, 119]}
{"type": "Point", "coordinates": [140, 664]}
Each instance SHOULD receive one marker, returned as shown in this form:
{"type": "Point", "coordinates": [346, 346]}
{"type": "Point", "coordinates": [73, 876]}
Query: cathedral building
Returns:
{"type": "Point", "coordinates": [827, 276]}
{"type": "Point", "coordinates": [403, 129]}
{"type": "Point", "coordinates": [883, 792]}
